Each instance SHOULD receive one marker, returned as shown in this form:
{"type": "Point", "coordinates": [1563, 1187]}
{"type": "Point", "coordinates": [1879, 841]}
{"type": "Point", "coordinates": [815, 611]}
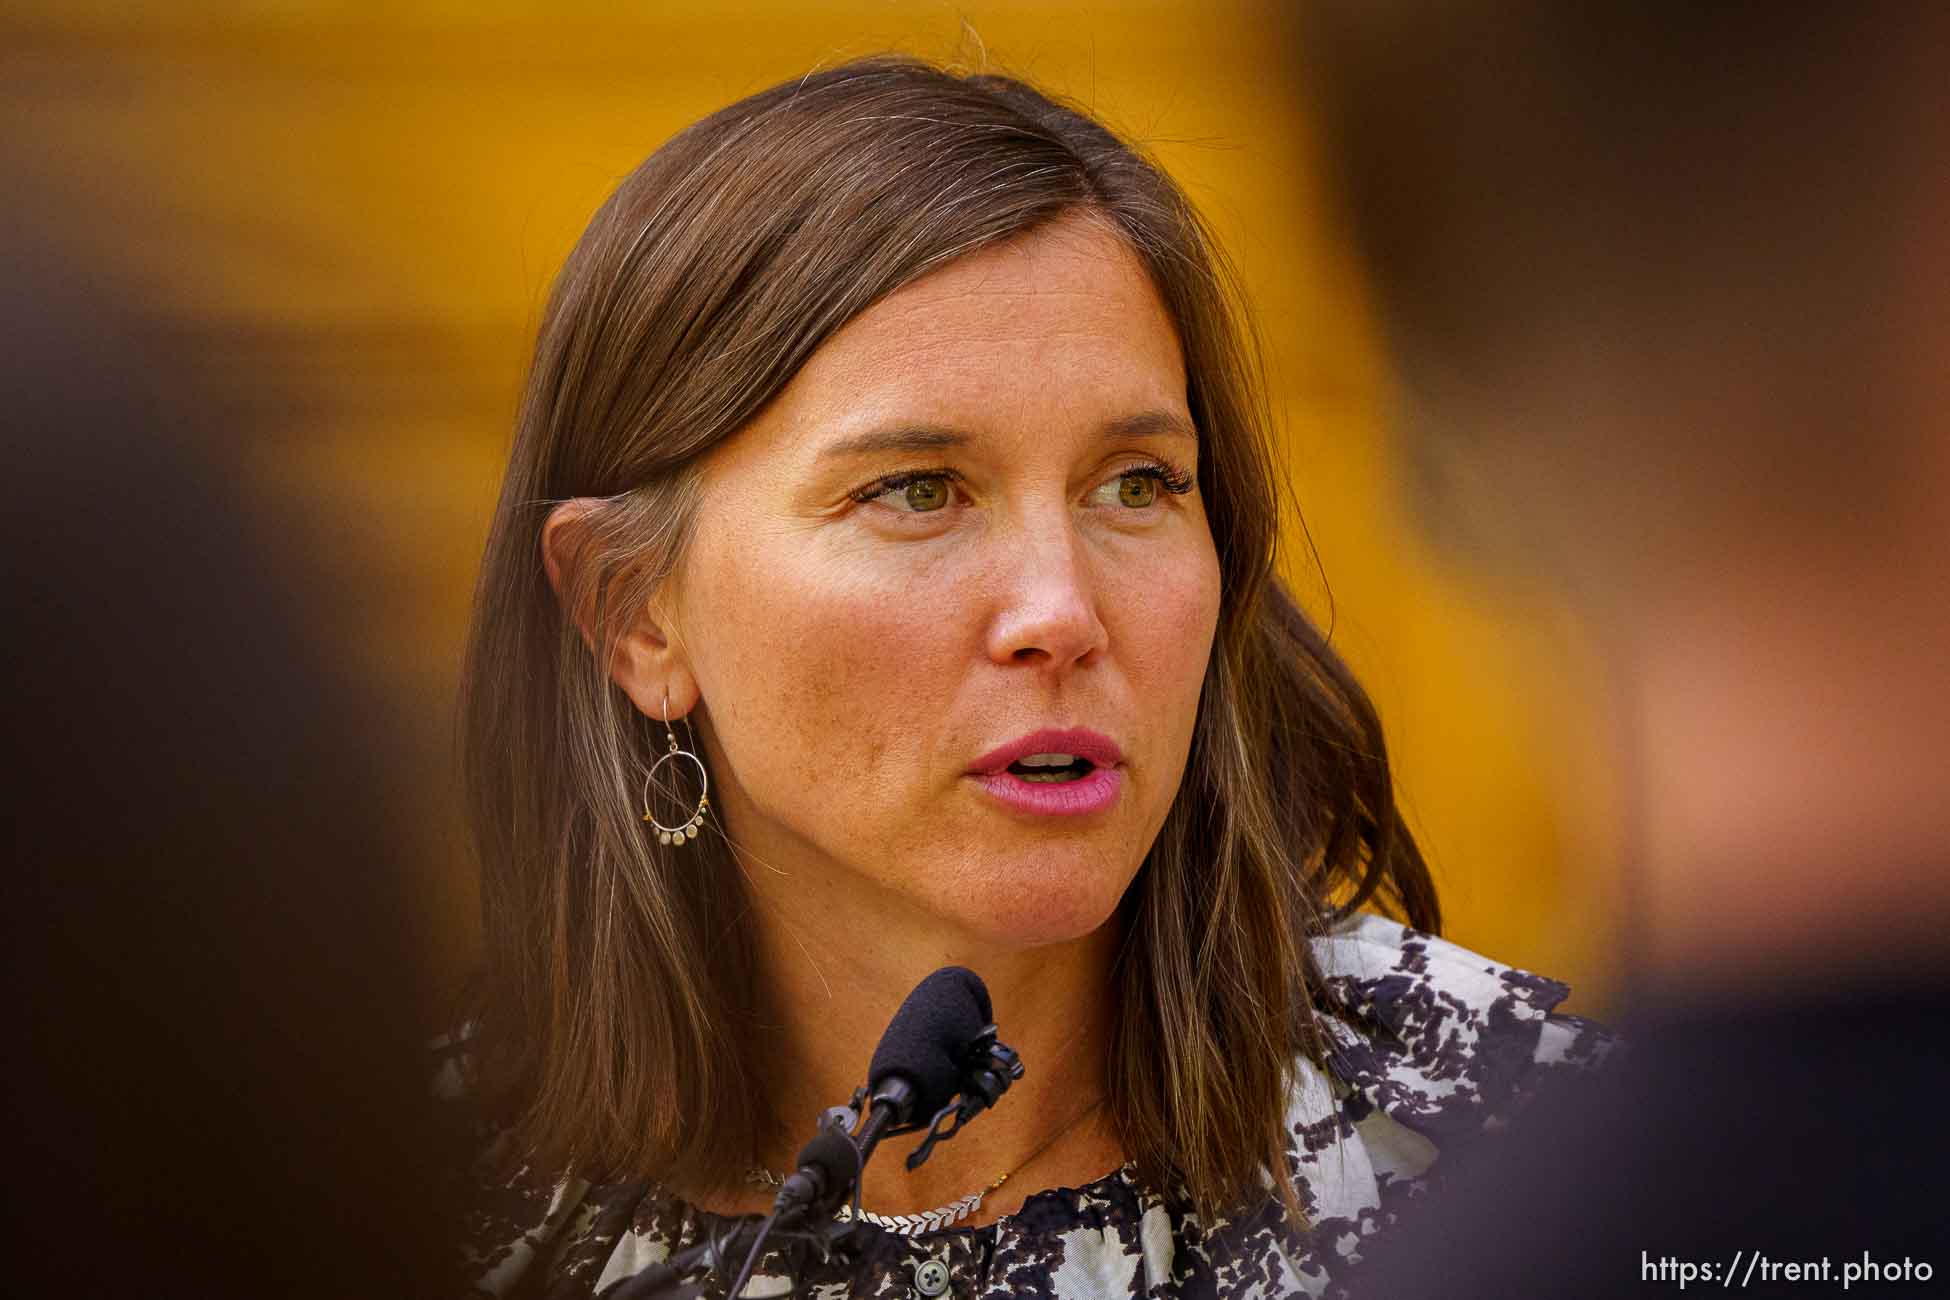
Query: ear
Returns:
{"type": "Point", "coordinates": [646, 662]}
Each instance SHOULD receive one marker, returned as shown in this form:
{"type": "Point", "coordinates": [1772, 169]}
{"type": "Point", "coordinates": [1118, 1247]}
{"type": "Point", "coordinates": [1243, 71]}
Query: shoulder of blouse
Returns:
{"type": "Point", "coordinates": [1441, 1038]}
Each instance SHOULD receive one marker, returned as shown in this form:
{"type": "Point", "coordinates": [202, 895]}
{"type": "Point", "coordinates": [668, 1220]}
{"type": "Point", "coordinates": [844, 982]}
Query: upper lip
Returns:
{"type": "Point", "coordinates": [1100, 749]}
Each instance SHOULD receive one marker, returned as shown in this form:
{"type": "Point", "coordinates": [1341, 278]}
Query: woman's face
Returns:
{"type": "Point", "coordinates": [971, 516]}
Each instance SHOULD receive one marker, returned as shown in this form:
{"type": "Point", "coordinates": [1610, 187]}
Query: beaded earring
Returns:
{"type": "Point", "coordinates": [687, 831]}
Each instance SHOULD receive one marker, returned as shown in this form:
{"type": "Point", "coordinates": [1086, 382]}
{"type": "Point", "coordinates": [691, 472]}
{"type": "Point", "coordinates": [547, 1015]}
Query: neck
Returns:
{"type": "Point", "coordinates": [831, 1001]}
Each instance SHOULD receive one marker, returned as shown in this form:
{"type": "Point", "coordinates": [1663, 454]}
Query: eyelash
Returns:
{"type": "Point", "coordinates": [1169, 477]}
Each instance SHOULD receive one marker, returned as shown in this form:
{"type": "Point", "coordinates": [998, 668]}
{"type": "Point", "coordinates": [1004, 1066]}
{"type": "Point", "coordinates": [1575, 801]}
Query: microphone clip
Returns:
{"type": "Point", "coordinates": [990, 1066]}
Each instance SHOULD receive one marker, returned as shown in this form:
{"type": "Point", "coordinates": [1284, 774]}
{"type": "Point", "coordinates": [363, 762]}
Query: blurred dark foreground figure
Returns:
{"type": "Point", "coordinates": [1669, 289]}
{"type": "Point", "coordinates": [212, 1057]}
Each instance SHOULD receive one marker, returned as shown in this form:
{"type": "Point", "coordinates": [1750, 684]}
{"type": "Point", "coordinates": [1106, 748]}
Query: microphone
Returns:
{"type": "Point", "coordinates": [927, 1042]}
{"type": "Point", "coordinates": [917, 1070]}
{"type": "Point", "coordinates": [938, 1055]}
{"type": "Point", "coordinates": [829, 1166]}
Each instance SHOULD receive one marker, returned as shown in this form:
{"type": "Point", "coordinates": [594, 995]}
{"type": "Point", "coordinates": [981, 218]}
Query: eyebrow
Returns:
{"type": "Point", "coordinates": [929, 437]}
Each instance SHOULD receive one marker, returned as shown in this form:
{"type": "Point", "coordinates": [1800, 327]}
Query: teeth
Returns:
{"type": "Point", "coordinates": [1047, 760]}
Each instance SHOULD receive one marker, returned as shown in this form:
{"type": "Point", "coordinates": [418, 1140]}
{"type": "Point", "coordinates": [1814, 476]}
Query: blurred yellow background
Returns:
{"type": "Point", "coordinates": [353, 213]}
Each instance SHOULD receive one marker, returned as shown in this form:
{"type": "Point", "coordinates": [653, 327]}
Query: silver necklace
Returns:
{"type": "Point", "coordinates": [910, 1225]}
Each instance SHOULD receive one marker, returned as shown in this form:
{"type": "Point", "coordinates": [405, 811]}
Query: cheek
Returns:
{"type": "Point", "coordinates": [1172, 615]}
{"type": "Point", "coordinates": [1167, 615]}
{"type": "Point", "coordinates": [819, 672]}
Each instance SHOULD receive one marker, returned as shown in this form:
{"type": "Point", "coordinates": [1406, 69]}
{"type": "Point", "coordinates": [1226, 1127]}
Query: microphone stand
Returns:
{"type": "Point", "coordinates": [668, 1280]}
{"type": "Point", "coordinates": [821, 1196]}
{"type": "Point", "coordinates": [990, 1067]}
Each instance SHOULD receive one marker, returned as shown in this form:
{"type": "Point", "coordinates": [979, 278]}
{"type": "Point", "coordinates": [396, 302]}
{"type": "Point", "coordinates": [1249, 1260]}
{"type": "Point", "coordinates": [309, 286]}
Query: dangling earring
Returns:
{"type": "Point", "coordinates": [688, 831]}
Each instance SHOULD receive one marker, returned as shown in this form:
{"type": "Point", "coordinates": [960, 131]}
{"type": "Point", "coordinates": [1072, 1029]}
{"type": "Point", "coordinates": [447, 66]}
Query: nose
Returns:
{"type": "Point", "coordinates": [1047, 612]}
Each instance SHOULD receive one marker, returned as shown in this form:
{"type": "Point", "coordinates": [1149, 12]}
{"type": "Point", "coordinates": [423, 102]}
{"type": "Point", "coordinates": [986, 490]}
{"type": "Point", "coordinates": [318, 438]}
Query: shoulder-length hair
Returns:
{"type": "Point", "coordinates": [619, 1015]}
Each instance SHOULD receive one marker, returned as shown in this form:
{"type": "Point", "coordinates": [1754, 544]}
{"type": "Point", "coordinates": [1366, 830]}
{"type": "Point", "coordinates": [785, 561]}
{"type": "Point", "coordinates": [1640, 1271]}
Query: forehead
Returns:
{"type": "Point", "coordinates": [1063, 318]}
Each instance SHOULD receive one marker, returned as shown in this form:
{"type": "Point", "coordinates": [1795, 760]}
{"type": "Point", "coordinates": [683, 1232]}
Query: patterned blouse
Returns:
{"type": "Point", "coordinates": [1439, 1046]}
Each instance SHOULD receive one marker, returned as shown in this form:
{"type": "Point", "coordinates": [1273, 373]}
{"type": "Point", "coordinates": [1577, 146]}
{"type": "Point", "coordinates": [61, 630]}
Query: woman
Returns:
{"type": "Point", "coordinates": [893, 461]}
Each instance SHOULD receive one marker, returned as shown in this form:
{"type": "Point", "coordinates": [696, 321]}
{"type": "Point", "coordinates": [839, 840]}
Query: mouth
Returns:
{"type": "Point", "coordinates": [1073, 789]}
{"type": "Point", "coordinates": [1055, 772]}
{"type": "Point", "coordinates": [1051, 755]}
{"type": "Point", "coordinates": [1051, 769]}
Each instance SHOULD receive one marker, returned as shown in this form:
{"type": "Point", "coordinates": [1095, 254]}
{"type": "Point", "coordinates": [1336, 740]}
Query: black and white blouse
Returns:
{"type": "Point", "coordinates": [1439, 1046]}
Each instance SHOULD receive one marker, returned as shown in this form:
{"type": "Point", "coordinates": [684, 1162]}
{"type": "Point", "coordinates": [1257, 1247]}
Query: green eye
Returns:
{"type": "Point", "coordinates": [1137, 490]}
{"type": "Point", "coordinates": [925, 494]}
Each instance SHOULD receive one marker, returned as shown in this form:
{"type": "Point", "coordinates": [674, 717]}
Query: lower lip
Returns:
{"type": "Point", "coordinates": [1089, 794]}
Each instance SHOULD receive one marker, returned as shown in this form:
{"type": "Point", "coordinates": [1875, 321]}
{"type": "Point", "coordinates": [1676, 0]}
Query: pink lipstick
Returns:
{"type": "Point", "coordinates": [1058, 772]}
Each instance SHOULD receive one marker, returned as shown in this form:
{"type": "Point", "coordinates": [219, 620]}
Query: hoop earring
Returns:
{"type": "Point", "coordinates": [688, 831]}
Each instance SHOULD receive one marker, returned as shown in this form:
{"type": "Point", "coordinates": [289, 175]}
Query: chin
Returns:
{"type": "Point", "coordinates": [1029, 906]}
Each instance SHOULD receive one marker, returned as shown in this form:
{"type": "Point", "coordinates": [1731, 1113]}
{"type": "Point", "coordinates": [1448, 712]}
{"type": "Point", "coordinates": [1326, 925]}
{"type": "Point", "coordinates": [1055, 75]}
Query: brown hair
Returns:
{"type": "Point", "coordinates": [618, 993]}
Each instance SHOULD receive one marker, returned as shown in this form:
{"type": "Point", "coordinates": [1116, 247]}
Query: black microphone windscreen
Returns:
{"type": "Point", "coordinates": [834, 1155]}
{"type": "Point", "coordinates": [928, 1035]}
